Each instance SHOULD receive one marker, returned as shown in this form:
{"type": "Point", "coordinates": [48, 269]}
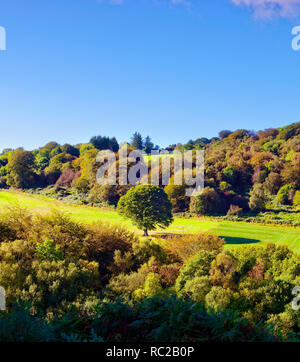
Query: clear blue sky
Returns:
{"type": "Point", "coordinates": [78, 68]}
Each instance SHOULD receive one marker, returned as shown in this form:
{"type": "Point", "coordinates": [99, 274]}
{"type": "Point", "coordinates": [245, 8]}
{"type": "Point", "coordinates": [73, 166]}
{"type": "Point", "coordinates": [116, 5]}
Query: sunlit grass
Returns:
{"type": "Point", "coordinates": [235, 233]}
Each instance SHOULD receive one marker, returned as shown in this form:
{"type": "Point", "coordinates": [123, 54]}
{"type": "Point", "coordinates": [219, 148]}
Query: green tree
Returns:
{"type": "Point", "coordinates": [105, 143]}
{"type": "Point", "coordinates": [272, 183]}
{"type": "Point", "coordinates": [224, 134]}
{"type": "Point", "coordinates": [296, 200]}
{"type": "Point", "coordinates": [176, 194]}
{"type": "Point", "coordinates": [85, 147]}
{"type": "Point", "coordinates": [230, 175]}
{"type": "Point", "coordinates": [41, 160]}
{"type": "Point", "coordinates": [257, 200]}
{"type": "Point", "coordinates": [71, 150]}
{"type": "Point", "coordinates": [148, 145]}
{"type": "Point", "coordinates": [137, 141]}
{"type": "Point", "coordinates": [113, 144]}
{"type": "Point", "coordinates": [283, 195]}
{"type": "Point", "coordinates": [147, 206]}
{"type": "Point", "coordinates": [20, 169]}
{"type": "Point", "coordinates": [56, 151]}
{"type": "Point", "coordinates": [207, 203]}
{"type": "Point", "coordinates": [99, 142]}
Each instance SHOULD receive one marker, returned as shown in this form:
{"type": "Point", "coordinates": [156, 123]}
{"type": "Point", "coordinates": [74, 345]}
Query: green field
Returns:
{"type": "Point", "coordinates": [235, 233]}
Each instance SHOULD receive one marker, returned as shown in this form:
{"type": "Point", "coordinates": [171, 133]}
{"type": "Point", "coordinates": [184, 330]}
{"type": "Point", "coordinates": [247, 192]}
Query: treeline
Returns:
{"type": "Point", "coordinates": [244, 171]}
{"type": "Point", "coordinates": [68, 281]}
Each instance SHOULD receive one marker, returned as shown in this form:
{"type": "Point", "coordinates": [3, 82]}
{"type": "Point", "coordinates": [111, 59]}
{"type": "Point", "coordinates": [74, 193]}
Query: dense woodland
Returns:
{"type": "Point", "coordinates": [244, 171]}
{"type": "Point", "coordinates": [70, 281]}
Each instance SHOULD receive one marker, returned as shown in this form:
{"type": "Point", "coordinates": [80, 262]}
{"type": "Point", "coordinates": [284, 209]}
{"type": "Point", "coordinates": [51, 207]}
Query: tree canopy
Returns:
{"type": "Point", "coordinates": [147, 206]}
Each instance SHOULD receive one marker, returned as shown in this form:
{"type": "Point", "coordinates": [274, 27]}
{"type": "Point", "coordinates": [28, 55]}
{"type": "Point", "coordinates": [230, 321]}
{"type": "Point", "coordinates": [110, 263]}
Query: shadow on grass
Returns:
{"type": "Point", "coordinates": [232, 240]}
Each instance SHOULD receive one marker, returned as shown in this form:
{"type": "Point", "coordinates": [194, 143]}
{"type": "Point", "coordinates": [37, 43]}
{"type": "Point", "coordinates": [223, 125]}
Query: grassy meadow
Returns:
{"type": "Point", "coordinates": [235, 233]}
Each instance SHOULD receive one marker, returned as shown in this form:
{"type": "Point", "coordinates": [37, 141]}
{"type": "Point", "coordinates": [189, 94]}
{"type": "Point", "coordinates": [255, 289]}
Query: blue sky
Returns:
{"type": "Point", "coordinates": [174, 71]}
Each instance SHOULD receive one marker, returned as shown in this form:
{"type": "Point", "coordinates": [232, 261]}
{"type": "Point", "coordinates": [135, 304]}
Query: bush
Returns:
{"type": "Point", "coordinates": [176, 194]}
{"type": "Point", "coordinates": [186, 246]}
{"type": "Point", "coordinates": [258, 199]}
{"type": "Point", "coordinates": [53, 284]}
{"type": "Point", "coordinates": [69, 236]}
{"type": "Point", "coordinates": [219, 299]}
{"type": "Point", "coordinates": [146, 248]}
{"type": "Point", "coordinates": [151, 287]}
{"type": "Point", "coordinates": [196, 289]}
{"type": "Point", "coordinates": [102, 242]}
{"type": "Point", "coordinates": [67, 177]}
{"type": "Point", "coordinates": [16, 223]}
{"type": "Point", "coordinates": [124, 285]}
{"type": "Point", "coordinates": [104, 194]}
{"type": "Point", "coordinates": [168, 319]}
{"type": "Point", "coordinates": [296, 200]}
{"type": "Point", "coordinates": [207, 203]}
{"type": "Point", "coordinates": [283, 195]}
{"type": "Point", "coordinates": [198, 266]}
{"type": "Point", "coordinates": [20, 326]}
{"type": "Point", "coordinates": [234, 210]}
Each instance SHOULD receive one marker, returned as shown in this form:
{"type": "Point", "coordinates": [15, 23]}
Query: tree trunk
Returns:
{"type": "Point", "coordinates": [146, 232]}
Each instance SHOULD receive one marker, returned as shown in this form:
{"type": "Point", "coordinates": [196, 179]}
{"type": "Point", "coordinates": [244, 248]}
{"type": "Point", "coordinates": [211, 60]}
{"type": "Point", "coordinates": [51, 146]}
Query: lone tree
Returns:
{"type": "Point", "coordinates": [147, 206]}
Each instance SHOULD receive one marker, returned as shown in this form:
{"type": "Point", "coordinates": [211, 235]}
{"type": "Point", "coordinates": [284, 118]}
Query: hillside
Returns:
{"type": "Point", "coordinates": [234, 233]}
{"type": "Point", "coordinates": [244, 172]}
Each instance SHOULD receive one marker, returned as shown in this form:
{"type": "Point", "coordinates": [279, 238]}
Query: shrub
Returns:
{"type": "Point", "coordinates": [168, 319]}
{"type": "Point", "coordinates": [176, 194]}
{"type": "Point", "coordinates": [218, 299]}
{"type": "Point", "coordinates": [186, 246]}
{"type": "Point", "coordinates": [234, 210]}
{"type": "Point", "coordinates": [69, 236]}
{"type": "Point", "coordinates": [198, 266]}
{"type": "Point", "coordinates": [124, 285]}
{"type": "Point", "coordinates": [48, 251]}
{"type": "Point", "coordinates": [296, 200]}
{"type": "Point", "coordinates": [223, 271]}
{"type": "Point", "coordinates": [151, 287]}
{"type": "Point", "coordinates": [258, 199]}
{"type": "Point", "coordinates": [51, 284]}
{"type": "Point", "coordinates": [196, 289]}
{"type": "Point", "coordinates": [283, 195]}
{"type": "Point", "coordinates": [67, 177]}
{"type": "Point", "coordinates": [145, 249]}
{"type": "Point", "coordinates": [208, 202]}
{"type": "Point", "coordinates": [168, 273]}
{"type": "Point", "coordinates": [17, 222]}
{"type": "Point", "coordinates": [102, 242]}
{"type": "Point", "coordinates": [104, 194]}
{"type": "Point", "coordinates": [183, 321]}
{"type": "Point", "coordinates": [20, 326]}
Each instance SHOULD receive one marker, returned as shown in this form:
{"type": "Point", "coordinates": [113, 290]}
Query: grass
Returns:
{"type": "Point", "coordinates": [235, 233]}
